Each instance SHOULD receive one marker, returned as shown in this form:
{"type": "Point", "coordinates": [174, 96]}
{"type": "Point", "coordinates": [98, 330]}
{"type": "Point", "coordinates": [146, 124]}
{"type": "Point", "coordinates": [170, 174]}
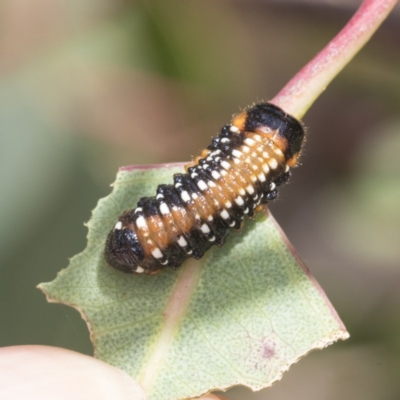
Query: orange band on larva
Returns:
{"type": "Point", "coordinates": [240, 170]}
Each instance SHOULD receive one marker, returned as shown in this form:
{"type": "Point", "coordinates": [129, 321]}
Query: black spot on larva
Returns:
{"type": "Point", "coordinates": [150, 206]}
{"type": "Point", "coordinates": [198, 243]}
{"type": "Point", "coordinates": [266, 114]}
{"type": "Point", "coordinates": [226, 141]}
{"type": "Point", "coordinates": [268, 196]}
{"type": "Point", "coordinates": [189, 185]}
{"type": "Point", "coordinates": [283, 178]}
{"type": "Point", "coordinates": [225, 131]}
{"type": "Point", "coordinates": [174, 255]}
{"type": "Point", "coordinates": [181, 224]}
{"type": "Point", "coordinates": [171, 196]}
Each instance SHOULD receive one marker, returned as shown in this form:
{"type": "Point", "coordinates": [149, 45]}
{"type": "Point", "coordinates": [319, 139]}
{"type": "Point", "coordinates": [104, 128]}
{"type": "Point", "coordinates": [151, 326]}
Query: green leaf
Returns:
{"type": "Point", "coordinates": [241, 315]}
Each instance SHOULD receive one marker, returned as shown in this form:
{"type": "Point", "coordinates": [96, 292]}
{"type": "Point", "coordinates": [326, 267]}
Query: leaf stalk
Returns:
{"type": "Point", "coordinates": [306, 86]}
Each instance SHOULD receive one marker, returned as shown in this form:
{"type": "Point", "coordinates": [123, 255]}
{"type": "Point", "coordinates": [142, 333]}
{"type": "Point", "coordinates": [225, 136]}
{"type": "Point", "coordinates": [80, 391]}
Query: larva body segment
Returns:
{"type": "Point", "coordinates": [240, 170]}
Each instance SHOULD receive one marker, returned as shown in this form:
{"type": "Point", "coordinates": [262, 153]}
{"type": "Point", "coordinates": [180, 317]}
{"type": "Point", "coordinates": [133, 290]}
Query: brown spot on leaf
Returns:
{"type": "Point", "coordinates": [268, 351]}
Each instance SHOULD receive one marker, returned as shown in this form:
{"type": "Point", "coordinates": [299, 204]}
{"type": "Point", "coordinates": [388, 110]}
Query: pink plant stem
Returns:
{"type": "Point", "coordinates": [305, 87]}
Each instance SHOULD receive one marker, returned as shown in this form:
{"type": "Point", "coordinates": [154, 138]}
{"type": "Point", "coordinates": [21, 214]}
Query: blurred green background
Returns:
{"type": "Point", "coordinates": [87, 86]}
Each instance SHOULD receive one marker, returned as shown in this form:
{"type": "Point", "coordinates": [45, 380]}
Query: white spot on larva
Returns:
{"type": "Point", "coordinates": [202, 185]}
{"type": "Point", "coordinates": [224, 214]}
{"type": "Point", "coordinates": [215, 174]}
{"type": "Point", "coordinates": [164, 262]}
{"type": "Point", "coordinates": [242, 192]}
{"type": "Point", "coordinates": [253, 178]}
{"type": "Point", "coordinates": [246, 211]}
{"type": "Point", "coordinates": [211, 239]}
{"type": "Point", "coordinates": [185, 196]}
{"type": "Point", "coordinates": [194, 175]}
{"type": "Point", "coordinates": [250, 189]}
{"type": "Point", "coordinates": [139, 209]}
{"type": "Point", "coordinates": [189, 251]}
{"type": "Point", "coordinates": [205, 166]}
{"type": "Point", "coordinates": [159, 196]}
{"type": "Point", "coordinates": [272, 163]}
{"type": "Point", "coordinates": [225, 165]}
{"type": "Point", "coordinates": [265, 154]}
{"type": "Point", "coordinates": [217, 158]}
{"type": "Point", "coordinates": [197, 216]}
{"type": "Point", "coordinates": [215, 152]}
{"type": "Point", "coordinates": [164, 209]}
{"type": "Point", "coordinates": [157, 253]}
{"type": "Point", "coordinates": [211, 184]}
{"type": "Point", "coordinates": [178, 185]}
{"type": "Point", "coordinates": [225, 140]}
{"type": "Point", "coordinates": [139, 269]}
{"type": "Point", "coordinates": [232, 224]}
{"type": "Point", "coordinates": [255, 197]}
{"type": "Point", "coordinates": [182, 241]}
{"type": "Point", "coordinates": [237, 153]}
{"type": "Point", "coordinates": [245, 149]}
{"type": "Point", "coordinates": [239, 201]}
{"type": "Point", "coordinates": [248, 160]}
{"type": "Point", "coordinates": [210, 218]}
{"type": "Point", "coordinates": [141, 223]}
{"type": "Point", "coordinates": [174, 208]}
{"type": "Point", "coordinates": [236, 160]}
{"type": "Point", "coordinates": [265, 168]}
{"type": "Point", "coordinates": [260, 149]}
{"type": "Point", "coordinates": [261, 177]}
{"type": "Point", "coordinates": [205, 229]}
{"type": "Point", "coordinates": [249, 142]}
{"type": "Point", "coordinates": [254, 154]}
{"type": "Point", "coordinates": [209, 158]}
{"type": "Point", "coordinates": [278, 152]}
{"type": "Point", "coordinates": [194, 196]}
{"type": "Point", "coordinates": [287, 168]}
{"type": "Point", "coordinates": [224, 173]}
{"type": "Point", "coordinates": [228, 204]}
{"type": "Point", "coordinates": [272, 186]}
{"type": "Point", "coordinates": [234, 129]}
{"type": "Point", "coordinates": [257, 138]}
{"type": "Point", "coordinates": [254, 167]}
{"type": "Point", "coordinates": [118, 226]}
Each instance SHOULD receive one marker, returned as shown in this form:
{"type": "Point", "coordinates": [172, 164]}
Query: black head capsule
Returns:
{"type": "Point", "coordinates": [286, 132]}
{"type": "Point", "coordinates": [123, 250]}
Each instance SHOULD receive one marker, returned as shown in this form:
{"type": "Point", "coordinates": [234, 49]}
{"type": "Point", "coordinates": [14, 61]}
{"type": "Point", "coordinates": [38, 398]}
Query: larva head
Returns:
{"type": "Point", "coordinates": [271, 121]}
{"type": "Point", "coordinates": [123, 250]}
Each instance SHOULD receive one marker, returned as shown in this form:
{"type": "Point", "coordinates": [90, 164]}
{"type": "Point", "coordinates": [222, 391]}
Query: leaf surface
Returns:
{"type": "Point", "coordinates": [241, 315]}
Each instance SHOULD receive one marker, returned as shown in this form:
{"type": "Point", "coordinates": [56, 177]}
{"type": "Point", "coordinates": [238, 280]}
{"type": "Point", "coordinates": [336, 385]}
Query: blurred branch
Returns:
{"type": "Point", "coordinates": [306, 86]}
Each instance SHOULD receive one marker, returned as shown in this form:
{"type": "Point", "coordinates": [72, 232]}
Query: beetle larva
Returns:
{"type": "Point", "coordinates": [240, 170]}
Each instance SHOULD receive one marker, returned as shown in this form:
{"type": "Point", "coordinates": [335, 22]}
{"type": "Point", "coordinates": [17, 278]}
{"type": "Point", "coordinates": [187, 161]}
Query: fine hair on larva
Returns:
{"type": "Point", "coordinates": [238, 172]}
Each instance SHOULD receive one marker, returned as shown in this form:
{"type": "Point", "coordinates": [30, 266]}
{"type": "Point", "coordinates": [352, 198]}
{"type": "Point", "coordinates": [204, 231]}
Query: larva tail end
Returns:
{"type": "Point", "coordinates": [123, 251]}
